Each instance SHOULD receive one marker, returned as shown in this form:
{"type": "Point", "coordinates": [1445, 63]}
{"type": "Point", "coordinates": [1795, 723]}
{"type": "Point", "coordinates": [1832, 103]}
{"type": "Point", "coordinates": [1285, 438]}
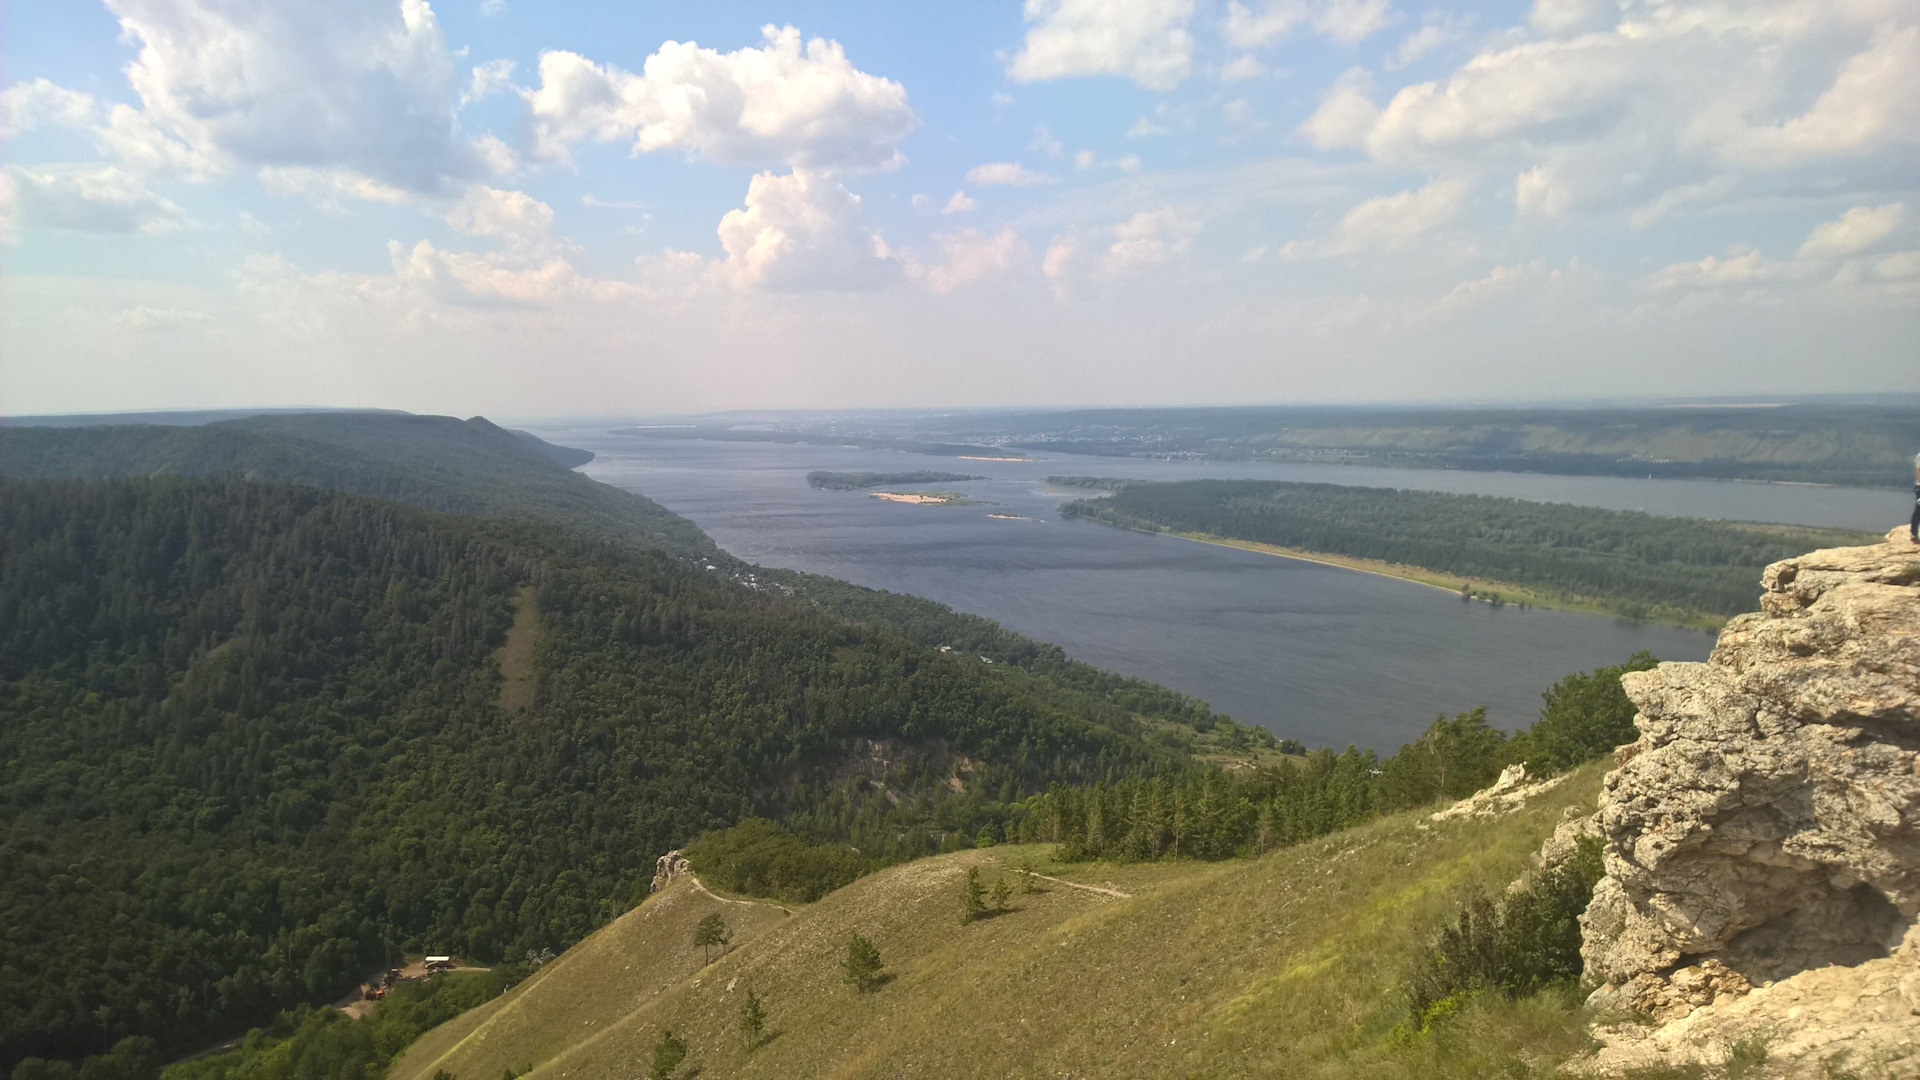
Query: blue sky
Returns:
{"type": "Point", "coordinates": [530, 209]}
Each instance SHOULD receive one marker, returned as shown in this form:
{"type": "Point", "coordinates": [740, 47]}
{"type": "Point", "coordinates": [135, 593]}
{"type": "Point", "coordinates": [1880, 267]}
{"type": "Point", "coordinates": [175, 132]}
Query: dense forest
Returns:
{"type": "Point", "coordinates": [252, 745]}
{"type": "Point", "coordinates": [475, 468]}
{"type": "Point", "coordinates": [855, 481]}
{"type": "Point", "coordinates": [1210, 814]}
{"type": "Point", "coordinates": [1639, 565]}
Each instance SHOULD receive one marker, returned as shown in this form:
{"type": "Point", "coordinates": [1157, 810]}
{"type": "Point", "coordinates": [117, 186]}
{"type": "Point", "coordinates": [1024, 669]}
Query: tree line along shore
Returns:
{"type": "Point", "coordinates": [1684, 571]}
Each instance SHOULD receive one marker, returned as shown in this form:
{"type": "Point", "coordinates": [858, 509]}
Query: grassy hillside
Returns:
{"type": "Point", "coordinates": [1285, 965]}
{"type": "Point", "coordinates": [1683, 570]}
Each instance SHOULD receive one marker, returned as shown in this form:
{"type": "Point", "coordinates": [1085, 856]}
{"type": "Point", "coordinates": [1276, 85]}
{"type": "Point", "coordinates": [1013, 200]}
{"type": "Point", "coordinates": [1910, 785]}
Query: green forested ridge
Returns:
{"type": "Point", "coordinates": [1637, 564]}
{"type": "Point", "coordinates": [459, 467]}
{"type": "Point", "coordinates": [1870, 445]}
{"type": "Point", "coordinates": [854, 481]}
{"type": "Point", "coordinates": [473, 467]}
{"type": "Point", "coordinates": [250, 743]}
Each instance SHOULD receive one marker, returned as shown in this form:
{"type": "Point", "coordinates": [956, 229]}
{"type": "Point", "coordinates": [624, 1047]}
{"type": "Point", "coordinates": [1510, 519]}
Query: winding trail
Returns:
{"type": "Point", "coordinates": [709, 893]}
{"type": "Point", "coordinates": [1090, 888]}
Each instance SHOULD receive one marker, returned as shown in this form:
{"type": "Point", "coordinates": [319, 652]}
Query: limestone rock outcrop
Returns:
{"type": "Point", "coordinates": [1510, 792]}
{"type": "Point", "coordinates": [666, 868]}
{"type": "Point", "coordinates": [1767, 821]}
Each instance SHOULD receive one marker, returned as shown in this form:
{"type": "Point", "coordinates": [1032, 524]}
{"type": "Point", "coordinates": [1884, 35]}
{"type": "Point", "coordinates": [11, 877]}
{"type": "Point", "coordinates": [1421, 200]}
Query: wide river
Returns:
{"type": "Point", "coordinates": [1326, 655]}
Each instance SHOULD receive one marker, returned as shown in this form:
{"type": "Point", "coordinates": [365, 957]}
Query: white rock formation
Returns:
{"type": "Point", "coordinates": [1766, 824]}
{"type": "Point", "coordinates": [666, 868]}
{"type": "Point", "coordinates": [1508, 793]}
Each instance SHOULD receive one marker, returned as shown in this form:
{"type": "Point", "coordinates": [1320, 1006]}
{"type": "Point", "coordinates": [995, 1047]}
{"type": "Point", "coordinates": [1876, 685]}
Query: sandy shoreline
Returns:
{"type": "Point", "coordinates": [915, 498]}
{"type": "Point", "coordinates": [1508, 592]}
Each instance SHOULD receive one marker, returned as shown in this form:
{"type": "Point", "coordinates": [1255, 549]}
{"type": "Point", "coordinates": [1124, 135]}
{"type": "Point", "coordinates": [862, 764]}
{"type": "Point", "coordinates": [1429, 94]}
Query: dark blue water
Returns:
{"type": "Point", "coordinates": [1323, 654]}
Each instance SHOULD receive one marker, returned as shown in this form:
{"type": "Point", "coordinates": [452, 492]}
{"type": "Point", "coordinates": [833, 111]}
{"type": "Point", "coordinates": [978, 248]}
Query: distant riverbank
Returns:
{"type": "Point", "coordinates": [1677, 571]}
{"type": "Point", "coordinates": [1484, 590]}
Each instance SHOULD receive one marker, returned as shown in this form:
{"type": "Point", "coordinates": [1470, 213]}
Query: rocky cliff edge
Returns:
{"type": "Point", "coordinates": [1763, 834]}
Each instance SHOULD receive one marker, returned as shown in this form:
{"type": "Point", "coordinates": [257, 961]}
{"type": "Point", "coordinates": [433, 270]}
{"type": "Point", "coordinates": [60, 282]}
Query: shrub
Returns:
{"type": "Point", "coordinates": [1525, 943]}
{"type": "Point", "coordinates": [668, 1053]}
{"type": "Point", "coordinates": [760, 858]}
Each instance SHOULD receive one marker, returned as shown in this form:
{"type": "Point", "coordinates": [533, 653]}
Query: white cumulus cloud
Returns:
{"type": "Point", "coordinates": [365, 86]}
{"type": "Point", "coordinates": [1392, 221]}
{"type": "Point", "coordinates": [1143, 40]}
{"type": "Point", "coordinates": [93, 198]}
{"type": "Point", "coordinates": [515, 217]}
{"type": "Point", "coordinates": [805, 106]}
{"type": "Point", "coordinates": [802, 231]}
{"type": "Point", "coordinates": [1346, 114]}
{"type": "Point", "coordinates": [1856, 230]}
{"type": "Point", "coordinates": [29, 105]}
{"type": "Point", "coordinates": [1346, 21]}
{"type": "Point", "coordinates": [1006, 172]}
{"type": "Point", "coordinates": [1648, 109]}
{"type": "Point", "coordinates": [494, 278]}
{"type": "Point", "coordinates": [970, 255]}
{"type": "Point", "coordinates": [488, 79]}
{"type": "Point", "coordinates": [1150, 238]}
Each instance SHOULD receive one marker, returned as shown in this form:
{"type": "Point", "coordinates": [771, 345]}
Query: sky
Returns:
{"type": "Point", "coordinates": [543, 209]}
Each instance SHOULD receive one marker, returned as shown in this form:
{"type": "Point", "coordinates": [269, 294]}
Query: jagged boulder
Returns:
{"type": "Point", "coordinates": [1767, 821]}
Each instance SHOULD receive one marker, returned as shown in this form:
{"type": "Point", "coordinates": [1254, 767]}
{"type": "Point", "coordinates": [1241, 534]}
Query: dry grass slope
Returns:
{"type": "Point", "coordinates": [515, 657]}
{"type": "Point", "coordinates": [1280, 966]}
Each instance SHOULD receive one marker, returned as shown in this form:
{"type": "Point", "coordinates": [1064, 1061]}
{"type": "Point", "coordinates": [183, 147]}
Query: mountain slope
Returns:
{"type": "Point", "coordinates": [252, 742]}
{"type": "Point", "coordinates": [1286, 965]}
{"type": "Point", "coordinates": [475, 468]}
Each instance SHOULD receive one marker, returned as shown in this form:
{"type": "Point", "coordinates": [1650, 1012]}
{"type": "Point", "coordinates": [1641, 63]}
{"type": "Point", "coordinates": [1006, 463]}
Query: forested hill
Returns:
{"type": "Point", "coordinates": [252, 741]}
{"type": "Point", "coordinates": [463, 467]}
{"type": "Point", "coordinates": [474, 467]}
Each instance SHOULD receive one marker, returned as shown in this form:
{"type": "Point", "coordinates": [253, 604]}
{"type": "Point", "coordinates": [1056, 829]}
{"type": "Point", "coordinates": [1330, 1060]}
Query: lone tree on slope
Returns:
{"type": "Point", "coordinates": [973, 897]}
{"type": "Point", "coordinates": [712, 931]}
{"type": "Point", "coordinates": [753, 1020]}
{"type": "Point", "coordinates": [862, 965]}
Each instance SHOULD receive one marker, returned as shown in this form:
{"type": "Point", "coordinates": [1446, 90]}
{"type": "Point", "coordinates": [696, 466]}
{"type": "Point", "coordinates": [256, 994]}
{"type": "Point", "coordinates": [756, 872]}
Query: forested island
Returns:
{"type": "Point", "coordinates": [858, 481]}
{"type": "Point", "coordinates": [1688, 571]}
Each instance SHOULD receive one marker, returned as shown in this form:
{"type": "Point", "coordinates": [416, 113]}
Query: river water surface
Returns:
{"type": "Point", "coordinates": [1323, 654]}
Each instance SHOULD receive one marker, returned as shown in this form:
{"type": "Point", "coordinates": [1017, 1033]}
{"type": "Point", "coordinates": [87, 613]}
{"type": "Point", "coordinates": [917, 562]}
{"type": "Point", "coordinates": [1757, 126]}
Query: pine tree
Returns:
{"type": "Point", "coordinates": [862, 965]}
{"type": "Point", "coordinates": [753, 1020]}
{"type": "Point", "coordinates": [972, 897]}
{"type": "Point", "coordinates": [1002, 892]}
